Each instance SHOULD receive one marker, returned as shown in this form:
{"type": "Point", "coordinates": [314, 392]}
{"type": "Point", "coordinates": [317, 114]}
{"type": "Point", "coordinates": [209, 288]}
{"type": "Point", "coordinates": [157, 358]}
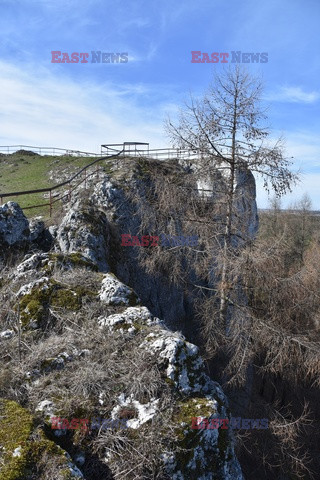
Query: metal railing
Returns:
{"type": "Point", "coordinates": [170, 153]}
{"type": "Point", "coordinates": [132, 149]}
{"type": "Point", "coordinates": [128, 149]}
{"type": "Point", "coordinates": [55, 198]}
{"type": "Point", "coordinates": [11, 149]}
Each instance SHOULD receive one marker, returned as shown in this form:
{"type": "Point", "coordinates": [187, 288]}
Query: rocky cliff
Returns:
{"type": "Point", "coordinates": [85, 332]}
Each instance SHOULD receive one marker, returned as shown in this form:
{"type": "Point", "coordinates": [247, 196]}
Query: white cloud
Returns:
{"type": "Point", "coordinates": [50, 109]}
{"type": "Point", "coordinates": [293, 95]}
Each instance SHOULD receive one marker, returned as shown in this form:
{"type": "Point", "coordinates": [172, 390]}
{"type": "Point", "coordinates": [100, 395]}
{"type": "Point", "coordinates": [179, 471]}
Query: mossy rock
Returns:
{"type": "Point", "coordinates": [34, 310]}
{"type": "Point", "coordinates": [195, 452]}
{"type": "Point", "coordinates": [34, 306]}
{"type": "Point", "coordinates": [193, 407]}
{"type": "Point", "coordinates": [16, 427]}
{"type": "Point", "coordinates": [65, 298]}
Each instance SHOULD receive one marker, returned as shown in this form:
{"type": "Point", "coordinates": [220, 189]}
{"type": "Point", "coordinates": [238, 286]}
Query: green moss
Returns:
{"type": "Point", "coordinates": [65, 298]}
{"type": "Point", "coordinates": [15, 428]}
{"type": "Point", "coordinates": [38, 448]}
{"type": "Point", "coordinates": [78, 260]}
{"type": "Point", "coordinates": [34, 310]}
{"type": "Point", "coordinates": [84, 292]}
{"type": "Point", "coordinates": [189, 439]}
{"type": "Point", "coordinates": [189, 408]}
{"type": "Point", "coordinates": [34, 306]}
{"type": "Point", "coordinates": [187, 363]}
{"type": "Point", "coordinates": [36, 451]}
{"type": "Point", "coordinates": [189, 443]}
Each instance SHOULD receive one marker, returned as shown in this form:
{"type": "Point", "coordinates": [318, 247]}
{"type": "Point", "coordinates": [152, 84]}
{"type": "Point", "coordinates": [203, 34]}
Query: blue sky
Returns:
{"type": "Point", "coordinates": [83, 105]}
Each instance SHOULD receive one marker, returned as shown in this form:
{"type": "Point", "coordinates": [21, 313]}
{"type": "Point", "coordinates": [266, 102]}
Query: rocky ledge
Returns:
{"type": "Point", "coordinates": [78, 343]}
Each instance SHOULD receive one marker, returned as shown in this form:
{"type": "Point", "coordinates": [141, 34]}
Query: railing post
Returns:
{"type": "Point", "coordinates": [85, 178]}
{"type": "Point", "coordinates": [69, 194]}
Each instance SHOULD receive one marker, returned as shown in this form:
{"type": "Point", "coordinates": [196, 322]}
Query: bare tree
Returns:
{"type": "Point", "coordinates": [226, 126]}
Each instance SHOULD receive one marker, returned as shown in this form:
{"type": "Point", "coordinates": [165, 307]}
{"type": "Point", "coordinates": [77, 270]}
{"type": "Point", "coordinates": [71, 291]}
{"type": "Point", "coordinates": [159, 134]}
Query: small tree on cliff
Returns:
{"type": "Point", "coordinates": [225, 126]}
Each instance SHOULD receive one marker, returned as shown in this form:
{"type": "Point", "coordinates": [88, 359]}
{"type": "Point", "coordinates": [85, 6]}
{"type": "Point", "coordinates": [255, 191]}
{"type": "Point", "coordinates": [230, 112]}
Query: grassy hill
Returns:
{"type": "Point", "coordinates": [25, 171]}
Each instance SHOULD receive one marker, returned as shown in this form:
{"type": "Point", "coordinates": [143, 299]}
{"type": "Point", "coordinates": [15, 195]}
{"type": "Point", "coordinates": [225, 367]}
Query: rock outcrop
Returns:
{"type": "Point", "coordinates": [51, 302]}
{"type": "Point", "coordinates": [14, 227]}
{"type": "Point", "coordinates": [246, 206]}
{"type": "Point", "coordinates": [89, 333]}
{"type": "Point", "coordinates": [17, 233]}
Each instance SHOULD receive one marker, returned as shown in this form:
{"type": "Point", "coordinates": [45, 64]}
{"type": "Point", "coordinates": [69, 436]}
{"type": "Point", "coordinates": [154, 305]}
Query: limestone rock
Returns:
{"type": "Point", "coordinates": [14, 226]}
{"type": "Point", "coordinates": [245, 202]}
{"type": "Point", "coordinates": [114, 292]}
{"type": "Point", "coordinates": [84, 232]}
{"type": "Point", "coordinates": [130, 320]}
{"type": "Point", "coordinates": [6, 334]}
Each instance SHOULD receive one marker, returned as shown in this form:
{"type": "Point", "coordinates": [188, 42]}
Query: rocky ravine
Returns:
{"type": "Point", "coordinates": [77, 342]}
